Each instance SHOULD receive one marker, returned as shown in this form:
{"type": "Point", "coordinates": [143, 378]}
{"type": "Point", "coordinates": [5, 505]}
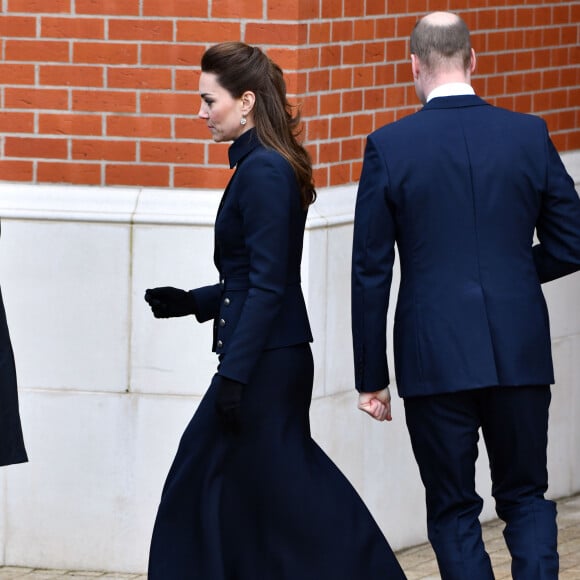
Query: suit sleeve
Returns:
{"type": "Point", "coordinates": [207, 300]}
{"type": "Point", "coordinates": [372, 271]}
{"type": "Point", "coordinates": [558, 226]}
{"type": "Point", "coordinates": [268, 192]}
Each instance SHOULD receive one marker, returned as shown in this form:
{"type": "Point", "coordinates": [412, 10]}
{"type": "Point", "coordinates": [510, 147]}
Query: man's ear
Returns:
{"type": "Point", "coordinates": [472, 62]}
{"type": "Point", "coordinates": [415, 66]}
{"type": "Point", "coordinates": [248, 100]}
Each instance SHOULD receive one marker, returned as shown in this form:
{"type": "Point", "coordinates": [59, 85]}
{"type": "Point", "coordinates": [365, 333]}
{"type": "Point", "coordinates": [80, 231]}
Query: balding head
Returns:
{"type": "Point", "coordinates": [441, 18]}
{"type": "Point", "coordinates": [441, 40]}
{"type": "Point", "coordinates": [441, 52]}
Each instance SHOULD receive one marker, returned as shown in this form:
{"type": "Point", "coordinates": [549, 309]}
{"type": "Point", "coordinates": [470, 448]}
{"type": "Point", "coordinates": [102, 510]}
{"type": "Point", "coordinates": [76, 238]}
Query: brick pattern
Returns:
{"type": "Point", "coordinates": [103, 92]}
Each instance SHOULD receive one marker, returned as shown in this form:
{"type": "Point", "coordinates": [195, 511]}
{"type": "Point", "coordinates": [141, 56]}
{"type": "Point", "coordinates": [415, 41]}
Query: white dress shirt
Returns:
{"type": "Point", "coordinates": [451, 90]}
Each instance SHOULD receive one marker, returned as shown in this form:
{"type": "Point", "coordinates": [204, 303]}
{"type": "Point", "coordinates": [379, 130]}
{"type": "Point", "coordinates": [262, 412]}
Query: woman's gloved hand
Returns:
{"type": "Point", "coordinates": [169, 302]}
{"type": "Point", "coordinates": [228, 403]}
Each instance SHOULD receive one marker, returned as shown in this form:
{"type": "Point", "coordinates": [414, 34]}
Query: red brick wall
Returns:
{"type": "Point", "coordinates": [103, 92]}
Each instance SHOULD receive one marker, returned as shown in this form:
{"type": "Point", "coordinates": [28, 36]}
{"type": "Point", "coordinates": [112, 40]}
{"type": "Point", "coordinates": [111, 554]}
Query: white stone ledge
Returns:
{"type": "Point", "coordinates": [108, 204]}
{"type": "Point", "coordinates": [67, 203]}
{"type": "Point", "coordinates": [177, 207]}
{"type": "Point", "coordinates": [146, 206]}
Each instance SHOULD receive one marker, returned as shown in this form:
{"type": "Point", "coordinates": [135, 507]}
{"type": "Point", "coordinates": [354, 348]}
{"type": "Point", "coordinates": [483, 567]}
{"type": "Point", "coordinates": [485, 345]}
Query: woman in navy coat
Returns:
{"type": "Point", "coordinates": [250, 496]}
{"type": "Point", "coordinates": [12, 448]}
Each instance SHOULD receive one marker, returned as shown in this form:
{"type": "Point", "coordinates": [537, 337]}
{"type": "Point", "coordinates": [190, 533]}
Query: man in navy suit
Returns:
{"type": "Point", "coordinates": [11, 443]}
{"type": "Point", "coordinates": [461, 187]}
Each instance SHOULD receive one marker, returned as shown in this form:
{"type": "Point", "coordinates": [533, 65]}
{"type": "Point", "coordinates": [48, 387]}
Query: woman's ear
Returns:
{"type": "Point", "coordinates": [248, 100]}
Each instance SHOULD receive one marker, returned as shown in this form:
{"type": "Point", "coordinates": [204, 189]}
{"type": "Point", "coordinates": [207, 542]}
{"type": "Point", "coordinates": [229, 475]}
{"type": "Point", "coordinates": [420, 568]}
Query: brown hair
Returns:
{"type": "Point", "coordinates": [434, 43]}
{"type": "Point", "coordinates": [240, 67]}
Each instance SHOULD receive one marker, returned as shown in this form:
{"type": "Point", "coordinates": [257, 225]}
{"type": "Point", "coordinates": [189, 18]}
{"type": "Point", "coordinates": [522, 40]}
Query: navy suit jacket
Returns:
{"type": "Point", "coordinates": [460, 187]}
{"type": "Point", "coordinates": [11, 443]}
{"type": "Point", "coordinates": [258, 303]}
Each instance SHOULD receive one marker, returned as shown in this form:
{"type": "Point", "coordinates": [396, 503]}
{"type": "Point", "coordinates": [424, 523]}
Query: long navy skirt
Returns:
{"type": "Point", "coordinates": [267, 503]}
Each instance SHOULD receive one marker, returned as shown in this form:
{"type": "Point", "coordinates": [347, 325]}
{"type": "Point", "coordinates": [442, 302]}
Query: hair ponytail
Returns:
{"type": "Point", "coordinates": [240, 67]}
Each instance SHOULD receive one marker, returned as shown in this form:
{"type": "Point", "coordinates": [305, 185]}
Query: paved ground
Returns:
{"type": "Point", "coordinates": [418, 562]}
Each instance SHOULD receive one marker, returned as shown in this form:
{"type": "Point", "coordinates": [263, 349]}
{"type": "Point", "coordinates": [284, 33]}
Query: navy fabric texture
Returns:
{"type": "Point", "coordinates": [460, 187]}
{"type": "Point", "coordinates": [264, 502]}
{"type": "Point", "coordinates": [444, 435]}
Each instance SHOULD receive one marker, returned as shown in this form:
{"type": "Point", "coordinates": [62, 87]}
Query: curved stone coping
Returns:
{"type": "Point", "coordinates": [180, 207]}
{"type": "Point", "coordinates": [146, 206]}
{"type": "Point", "coordinates": [108, 204]}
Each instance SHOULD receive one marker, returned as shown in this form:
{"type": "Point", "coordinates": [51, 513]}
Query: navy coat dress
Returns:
{"type": "Point", "coordinates": [265, 503]}
{"type": "Point", "coordinates": [11, 442]}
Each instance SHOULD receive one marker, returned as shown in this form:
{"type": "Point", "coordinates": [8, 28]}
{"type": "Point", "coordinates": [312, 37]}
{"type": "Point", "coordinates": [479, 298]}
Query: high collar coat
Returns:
{"type": "Point", "coordinates": [258, 303]}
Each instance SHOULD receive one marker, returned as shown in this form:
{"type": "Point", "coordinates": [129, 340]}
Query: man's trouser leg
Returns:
{"type": "Point", "coordinates": [515, 430]}
{"type": "Point", "coordinates": [444, 435]}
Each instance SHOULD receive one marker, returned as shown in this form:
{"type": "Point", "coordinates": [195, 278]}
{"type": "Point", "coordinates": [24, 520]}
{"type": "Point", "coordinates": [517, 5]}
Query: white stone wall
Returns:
{"type": "Point", "coordinates": [106, 389]}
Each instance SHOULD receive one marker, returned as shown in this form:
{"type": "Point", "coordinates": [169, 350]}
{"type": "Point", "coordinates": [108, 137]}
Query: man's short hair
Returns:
{"type": "Point", "coordinates": [436, 44]}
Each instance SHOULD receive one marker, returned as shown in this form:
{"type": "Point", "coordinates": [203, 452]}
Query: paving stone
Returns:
{"type": "Point", "coordinates": [45, 574]}
{"type": "Point", "coordinates": [116, 576]}
{"type": "Point", "coordinates": [10, 572]}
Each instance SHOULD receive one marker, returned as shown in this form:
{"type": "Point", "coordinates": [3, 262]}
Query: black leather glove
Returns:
{"type": "Point", "coordinates": [169, 302]}
{"type": "Point", "coordinates": [228, 403]}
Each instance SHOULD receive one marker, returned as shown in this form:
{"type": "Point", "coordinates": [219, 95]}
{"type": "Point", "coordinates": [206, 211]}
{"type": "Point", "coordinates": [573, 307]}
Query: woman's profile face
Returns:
{"type": "Point", "coordinates": [220, 110]}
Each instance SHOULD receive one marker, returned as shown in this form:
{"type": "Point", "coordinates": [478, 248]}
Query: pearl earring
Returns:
{"type": "Point", "coordinates": [243, 121]}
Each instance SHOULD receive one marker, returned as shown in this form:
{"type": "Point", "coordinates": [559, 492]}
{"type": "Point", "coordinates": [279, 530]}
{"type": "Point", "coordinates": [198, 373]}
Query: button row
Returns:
{"type": "Point", "coordinates": [222, 322]}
